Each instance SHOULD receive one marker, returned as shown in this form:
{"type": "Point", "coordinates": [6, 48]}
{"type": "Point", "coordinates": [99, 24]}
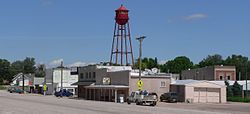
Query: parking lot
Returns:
{"type": "Point", "coordinates": [32, 103]}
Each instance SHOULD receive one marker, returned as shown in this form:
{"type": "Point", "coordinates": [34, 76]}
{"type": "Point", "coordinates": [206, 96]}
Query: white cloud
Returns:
{"type": "Point", "coordinates": [162, 62]}
{"type": "Point", "coordinates": [196, 16]}
{"type": "Point", "coordinates": [56, 62]}
{"type": "Point", "coordinates": [79, 63]}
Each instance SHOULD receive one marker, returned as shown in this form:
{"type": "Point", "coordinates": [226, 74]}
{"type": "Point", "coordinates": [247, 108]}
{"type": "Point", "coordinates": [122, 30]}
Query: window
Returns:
{"type": "Point", "coordinates": [86, 75]}
{"type": "Point", "coordinates": [221, 77]}
{"type": "Point", "coordinates": [163, 84]}
{"type": "Point", "coordinates": [89, 75]}
{"type": "Point", "coordinates": [94, 75]}
{"type": "Point", "coordinates": [228, 77]}
{"type": "Point", "coordinates": [81, 76]}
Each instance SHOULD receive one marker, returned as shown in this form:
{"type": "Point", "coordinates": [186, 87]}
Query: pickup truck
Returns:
{"type": "Point", "coordinates": [142, 99]}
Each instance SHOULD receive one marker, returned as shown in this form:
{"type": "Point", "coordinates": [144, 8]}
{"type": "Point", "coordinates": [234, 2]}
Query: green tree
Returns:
{"type": "Point", "coordinates": [237, 89]}
{"type": "Point", "coordinates": [5, 70]}
{"type": "Point", "coordinates": [147, 63]}
{"type": "Point", "coordinates": [40, 71]}
{"type": "Point", "coordinates": [240, 62]}
{"type": "Point", "coordinates": [25, 66]}
{"type": "Point", "coordinates": [177, 65]}
{"type": "Point", "coordinates": [211, 60]}
{"type": "Point", "coordinates": [229, 89]}
{"type": "Point", "coordinates": [29, 65]}
{"type": "Point", "coordinates": [16, 67]}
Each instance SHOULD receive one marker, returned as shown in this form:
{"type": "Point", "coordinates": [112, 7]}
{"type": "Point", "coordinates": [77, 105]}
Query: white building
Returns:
{"type": "Point", "coordinates": [18, 79]}
{"type": "Point", "coordinates": [67, 80]}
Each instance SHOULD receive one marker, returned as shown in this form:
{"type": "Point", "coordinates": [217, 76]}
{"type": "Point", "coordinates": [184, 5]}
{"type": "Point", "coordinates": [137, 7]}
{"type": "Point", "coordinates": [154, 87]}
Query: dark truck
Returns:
{"type": "Point", "coordinates": [169, 97]}
{"type": "Point", "coordinates": [64, 93]}
{"type": "Point", "coordinates": [142, 99]}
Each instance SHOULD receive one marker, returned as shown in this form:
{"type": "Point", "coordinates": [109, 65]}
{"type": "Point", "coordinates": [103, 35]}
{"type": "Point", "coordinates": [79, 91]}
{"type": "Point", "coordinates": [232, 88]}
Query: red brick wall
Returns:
{"type": "Point", "coordinates": [219, 73]}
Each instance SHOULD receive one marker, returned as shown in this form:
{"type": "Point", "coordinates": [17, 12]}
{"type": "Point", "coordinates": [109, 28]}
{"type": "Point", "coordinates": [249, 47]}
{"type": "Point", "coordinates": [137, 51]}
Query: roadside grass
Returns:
{"type": "Point", "coordinates": [3, 87]}
{"type": "Point", "coordinates": [238, 99]}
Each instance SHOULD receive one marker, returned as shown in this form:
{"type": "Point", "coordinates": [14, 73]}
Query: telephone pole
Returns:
{"type": "Point", "coordinates": [140, 39]}
{"type": "Point", "coordinates": [246, 83]}
{"type": "Point", "coordinates": [61, 75]}
{"type": "Point", "coordinates": [23, 79]}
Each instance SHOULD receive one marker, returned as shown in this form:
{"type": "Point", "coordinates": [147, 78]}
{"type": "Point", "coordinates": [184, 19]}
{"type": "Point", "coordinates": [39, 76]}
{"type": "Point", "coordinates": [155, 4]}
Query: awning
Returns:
{"type": "Point", "coordinates": [107, 86]}
{"type": "Point", "coordinates": [83, 83]}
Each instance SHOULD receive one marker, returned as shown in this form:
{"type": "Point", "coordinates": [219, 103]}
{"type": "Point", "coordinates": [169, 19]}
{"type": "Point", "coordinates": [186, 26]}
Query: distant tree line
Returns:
{"type": "Point", "coordinates": [181, 63]}
{"type": "Point", "coordinates": [178, 64]}
{"type": "Point", "coordinates": [28, 65]}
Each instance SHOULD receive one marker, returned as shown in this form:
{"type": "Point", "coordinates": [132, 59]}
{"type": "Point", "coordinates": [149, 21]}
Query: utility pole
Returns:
{"type": "Point", "coordinates": [246, 83]}
{"type": "Point", "coordinates": [23, 78]}
{"type": "Point", "coordinates": [61, 76]}
{"type": "Point", "coordinates": [140, 39]}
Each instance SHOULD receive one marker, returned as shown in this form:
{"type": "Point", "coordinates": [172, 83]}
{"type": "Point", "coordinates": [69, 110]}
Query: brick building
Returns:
{"type": "Point", "coordinates": [210, 73]}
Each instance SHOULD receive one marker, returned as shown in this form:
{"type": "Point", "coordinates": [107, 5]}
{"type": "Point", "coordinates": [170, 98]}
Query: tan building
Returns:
{"type": "Point", "coordinates": [108, 83]}
{"type": "Point", "coordinates": [210, 73]}
{"type": "Point", "coordinates": [194, 91]}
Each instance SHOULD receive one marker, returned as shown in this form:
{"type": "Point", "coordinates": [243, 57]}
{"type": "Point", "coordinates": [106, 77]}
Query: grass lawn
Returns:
{"type": "Point", "coordinates": [238, 99]}
{"type": "Point", "coordinates": [3, 87]}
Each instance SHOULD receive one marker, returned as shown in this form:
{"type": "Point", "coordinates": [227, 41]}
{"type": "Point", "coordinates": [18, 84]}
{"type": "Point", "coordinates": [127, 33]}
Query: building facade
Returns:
{"type": "Point", "coordinates": [193, 91]}
{"type": "Point", "coordinates": [18, 79]}
{"type": "Point", "coordinates": [210, 73]}
{"type": "Point", "coordinates": [54, 82]}
{"type": "Point", "coordinates": [109, 83]}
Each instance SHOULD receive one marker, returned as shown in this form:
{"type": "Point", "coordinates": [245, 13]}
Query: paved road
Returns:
{"type": "Point", "coordinates": [37, 104]}
{"type": "Point", "coordinates": [230, 107]}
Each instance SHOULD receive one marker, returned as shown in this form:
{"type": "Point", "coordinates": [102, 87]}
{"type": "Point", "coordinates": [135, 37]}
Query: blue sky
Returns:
{"type": "Point", "coordinates": [80, 31]}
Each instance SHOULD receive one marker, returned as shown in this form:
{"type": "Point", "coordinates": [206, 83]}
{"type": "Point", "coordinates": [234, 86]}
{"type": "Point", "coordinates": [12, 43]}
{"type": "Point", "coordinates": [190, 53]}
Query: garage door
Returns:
{"type": "Point", "coordinates": [206, 95]}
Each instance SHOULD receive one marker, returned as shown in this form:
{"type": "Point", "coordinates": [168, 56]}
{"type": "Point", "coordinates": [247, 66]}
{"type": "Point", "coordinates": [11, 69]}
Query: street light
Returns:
{"type": "Point", "coordinates": [140, 39]}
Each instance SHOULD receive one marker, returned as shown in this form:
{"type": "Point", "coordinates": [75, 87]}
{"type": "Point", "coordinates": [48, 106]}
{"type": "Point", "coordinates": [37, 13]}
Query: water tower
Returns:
{"type": "Point", "coordinates": [121, 52]}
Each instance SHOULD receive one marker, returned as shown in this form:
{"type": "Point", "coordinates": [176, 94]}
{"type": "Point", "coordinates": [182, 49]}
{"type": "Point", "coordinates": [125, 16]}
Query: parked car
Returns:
{"type": "Point", "coordinates": [154, 94]}
{"type": "Point", "coordinates": [64, 93]}
{"type": "Point", "coordinates": [14, 89]}
{"type": "Point", "coordinates": [10, 88]}
{"type": "Point", "coordinates": [169, 97]}
{"type": "Point", "coordinates": [142, 99]}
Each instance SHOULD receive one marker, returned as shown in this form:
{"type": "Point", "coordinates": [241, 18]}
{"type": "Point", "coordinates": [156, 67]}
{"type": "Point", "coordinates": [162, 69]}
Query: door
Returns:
{"type": "Point", "coordinates": [200, 95]}
{"type": "Point", "coordinates": [206, 95]}
{"type": "Point", "coordinates": [213, 95]}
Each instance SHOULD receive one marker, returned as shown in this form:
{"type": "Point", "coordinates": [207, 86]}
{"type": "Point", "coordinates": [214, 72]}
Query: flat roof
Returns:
{"type": "Point", "coordinates": [151, 76]}
{"type": "Point", "coordinates": [184, 82]}
{"type": "Point", "coordinates": [83, 83]}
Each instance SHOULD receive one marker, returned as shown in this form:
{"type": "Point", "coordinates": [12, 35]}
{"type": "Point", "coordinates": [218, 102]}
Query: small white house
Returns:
{"type": "Point", "coordinates": [18, 79]}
